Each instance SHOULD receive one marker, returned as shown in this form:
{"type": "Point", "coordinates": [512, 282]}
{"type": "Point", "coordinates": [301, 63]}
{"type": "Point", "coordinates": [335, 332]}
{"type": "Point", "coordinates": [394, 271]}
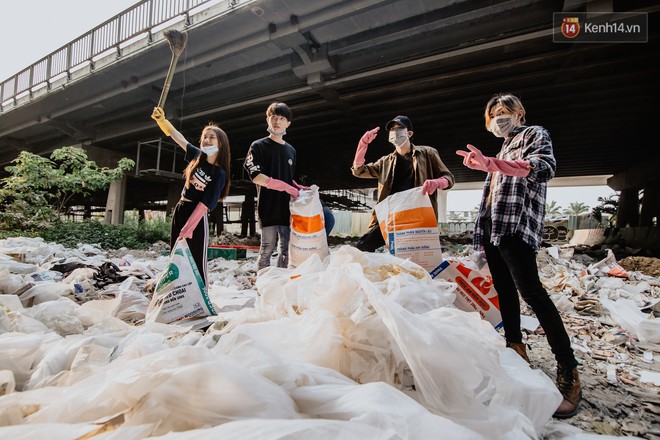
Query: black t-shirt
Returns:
{"type": "Point", "coordinates": [207, 181]}
{"type": "Point", "coordinates": [403, 174]}
{"type": "Point", "coordinates": [278, 161]}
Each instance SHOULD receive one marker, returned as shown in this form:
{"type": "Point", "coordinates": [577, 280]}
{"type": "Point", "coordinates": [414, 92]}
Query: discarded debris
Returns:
{"type": "Point", "coordinates": [313, 349]}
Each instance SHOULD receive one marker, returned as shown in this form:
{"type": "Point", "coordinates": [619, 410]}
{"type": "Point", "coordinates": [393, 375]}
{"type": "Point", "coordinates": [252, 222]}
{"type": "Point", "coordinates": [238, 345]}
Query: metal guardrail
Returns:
{"type": "Point", "coordinates": [107, 37]}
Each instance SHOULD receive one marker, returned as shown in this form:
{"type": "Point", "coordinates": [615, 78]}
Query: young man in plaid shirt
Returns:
{"type": "Point", "coordinates": [510, 228]}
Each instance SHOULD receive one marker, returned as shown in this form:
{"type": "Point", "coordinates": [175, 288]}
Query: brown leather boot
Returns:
{"type": "Point", "coordinates": [568, 384]}
{"type": "Point", "coordinates": [519, 348]}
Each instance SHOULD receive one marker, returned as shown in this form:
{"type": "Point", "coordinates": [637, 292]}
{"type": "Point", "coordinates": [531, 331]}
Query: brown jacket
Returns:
{"type": "Point", "coordinates": [426, 165]}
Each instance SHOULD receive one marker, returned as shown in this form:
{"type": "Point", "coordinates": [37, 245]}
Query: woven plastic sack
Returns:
{"type": "Point", "coordinates": [307, 228]}
{"type": "Point", "coordinates": [180, 292]}
{"type": "Point", "coordinates": [410, 228]}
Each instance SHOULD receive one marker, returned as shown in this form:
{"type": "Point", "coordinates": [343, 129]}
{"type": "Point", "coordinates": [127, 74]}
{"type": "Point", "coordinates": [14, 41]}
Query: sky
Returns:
{"type": "Point", "coordinates": [468, 200]}
{"type": "Point", "coordinates": [35, 28]}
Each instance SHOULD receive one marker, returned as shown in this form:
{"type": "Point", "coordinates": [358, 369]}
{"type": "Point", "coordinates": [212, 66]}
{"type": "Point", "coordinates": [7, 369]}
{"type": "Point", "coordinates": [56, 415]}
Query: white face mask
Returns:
{"type": "Point", "coordinates": [501, 126]}
{"type": "Point", "coordinates": [276, 133]}
{"type": "Point", "coordinates": [210, 150]}
{"type": "Point", "coordinates": [398, 136]}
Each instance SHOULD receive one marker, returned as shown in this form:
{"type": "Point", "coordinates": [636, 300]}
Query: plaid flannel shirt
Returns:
{"type": "Point", "coordinates": [517, 204]}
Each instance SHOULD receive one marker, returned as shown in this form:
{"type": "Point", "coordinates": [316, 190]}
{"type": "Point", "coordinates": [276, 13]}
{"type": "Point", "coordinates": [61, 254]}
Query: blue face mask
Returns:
{"type": "Point", "coordinates": [210, 150]}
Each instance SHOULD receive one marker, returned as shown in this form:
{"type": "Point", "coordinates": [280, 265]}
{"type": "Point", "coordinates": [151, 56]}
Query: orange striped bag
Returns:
{"type": "Point", "coordinates": [307, 228]}
{"type": "Point", "coordinates": [410, 229]}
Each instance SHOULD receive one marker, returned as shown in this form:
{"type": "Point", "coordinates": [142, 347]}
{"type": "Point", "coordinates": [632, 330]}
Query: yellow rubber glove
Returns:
{"type": "Point", "coordinates": [159, 116]}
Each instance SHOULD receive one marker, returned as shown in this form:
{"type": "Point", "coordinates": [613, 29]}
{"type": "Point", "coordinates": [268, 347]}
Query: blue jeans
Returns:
{"type": "Point", "coordinates": [270, 235]}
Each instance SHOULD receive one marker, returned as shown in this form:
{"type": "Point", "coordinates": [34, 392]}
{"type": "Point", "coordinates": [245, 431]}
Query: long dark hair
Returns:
{"type": "Point", "coordinates": [222, 160]}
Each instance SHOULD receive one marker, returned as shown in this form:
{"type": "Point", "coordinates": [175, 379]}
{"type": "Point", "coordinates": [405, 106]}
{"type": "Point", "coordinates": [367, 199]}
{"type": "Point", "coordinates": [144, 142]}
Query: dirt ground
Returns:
{"type": "Point", "coordinates": [647, 265]}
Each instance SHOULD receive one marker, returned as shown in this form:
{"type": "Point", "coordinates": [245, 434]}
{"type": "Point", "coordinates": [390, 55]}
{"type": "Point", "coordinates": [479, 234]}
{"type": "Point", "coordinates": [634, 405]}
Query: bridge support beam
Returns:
{"type": "Point", "coordinates": [650, 214]}
{"type": "Point", "coordinates": [442, 206]}
{"type": "Point", "coordinates": [114, 208]}
{"type": "Point", "coordinates": [627, 214]}
{"type": "Point", "coordinates": [630, 182]}
{"type": "Point", "coordinates": [173, 196]}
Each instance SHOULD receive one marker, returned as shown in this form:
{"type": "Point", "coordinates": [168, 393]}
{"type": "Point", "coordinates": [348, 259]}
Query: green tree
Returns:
{"type": "Point", "coordinates": [576, 208]}
{"type": "Point", "coordinates": [552, 209]}
{"type": "Point", "coordinates": [38, 188]}
{"type": "Point", "coordinates": [608, 205]}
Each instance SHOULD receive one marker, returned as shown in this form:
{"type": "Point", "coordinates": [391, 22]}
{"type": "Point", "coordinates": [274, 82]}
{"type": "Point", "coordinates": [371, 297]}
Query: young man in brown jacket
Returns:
{"type": "Point", "coordinates": [408, 166]}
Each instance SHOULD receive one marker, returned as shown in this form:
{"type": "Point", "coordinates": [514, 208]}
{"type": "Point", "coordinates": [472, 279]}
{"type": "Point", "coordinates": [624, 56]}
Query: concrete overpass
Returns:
{"type": "Point", "coordinates": [345, 67]}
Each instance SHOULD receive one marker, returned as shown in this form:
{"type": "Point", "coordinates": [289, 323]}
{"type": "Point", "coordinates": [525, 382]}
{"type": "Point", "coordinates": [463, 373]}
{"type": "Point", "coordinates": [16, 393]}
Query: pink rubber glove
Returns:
{"type": "Point", "coordinates": [300, 187]}
{"type": "Point", "coordinates": [197, 214]}
{"type": "Point", "coordinates": [365, 140]}
{"type": "Point", "coordinates": [477, 161]}
{"type": "Point", "coordinates": [431, 185]}
{"type": "Point", "coordinates": [278, 185]}
{"type": "Point", "coordinates": [515, 168]}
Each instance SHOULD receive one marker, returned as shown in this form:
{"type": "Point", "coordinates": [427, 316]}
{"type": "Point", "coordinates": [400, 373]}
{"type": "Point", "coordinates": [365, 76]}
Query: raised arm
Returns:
{"type": "Point", "coordinates": [158, 115]}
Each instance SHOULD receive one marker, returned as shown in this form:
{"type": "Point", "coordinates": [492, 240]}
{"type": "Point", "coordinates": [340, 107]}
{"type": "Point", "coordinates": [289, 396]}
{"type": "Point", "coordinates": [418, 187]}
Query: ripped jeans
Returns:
{"type": "Point", "coordinates": [270, 236]}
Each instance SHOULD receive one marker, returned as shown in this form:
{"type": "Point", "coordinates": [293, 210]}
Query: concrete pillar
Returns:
{"type": "Point", "coordinates": [442, 206]}
{"type": "Point", "coordinates": [217, 217]}
{"type": "Point", "coordinates": [114, 207]}
{"type": "Point", "coordinates": [173, 196]}
{"type": "Point", "coordinates": [628, 212]}
{"type": "Point", "coordinates": [650, 215]}
{"type": "Point", "coordinates": [643, 175]}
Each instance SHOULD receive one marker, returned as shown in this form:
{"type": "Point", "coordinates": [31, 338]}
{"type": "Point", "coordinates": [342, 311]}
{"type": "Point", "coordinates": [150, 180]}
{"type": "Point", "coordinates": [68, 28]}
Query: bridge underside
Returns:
{"type": "Point", "coordinates": [347, 66]}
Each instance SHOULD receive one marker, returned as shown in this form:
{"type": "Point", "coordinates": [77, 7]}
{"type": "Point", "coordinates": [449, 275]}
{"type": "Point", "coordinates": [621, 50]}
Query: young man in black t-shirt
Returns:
{"type": "Point", "coordinates": [271, 162]}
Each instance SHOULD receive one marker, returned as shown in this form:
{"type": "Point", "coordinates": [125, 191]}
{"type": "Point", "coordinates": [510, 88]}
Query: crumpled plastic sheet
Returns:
{"type": "Point", "coordinates": [9, 282]}
{"type": "Point", "coordinates": [45, 291]}
{"type": "Point", "coordinates": [627, 314]}
{"type": "Point", "coordinates": [329, 350]}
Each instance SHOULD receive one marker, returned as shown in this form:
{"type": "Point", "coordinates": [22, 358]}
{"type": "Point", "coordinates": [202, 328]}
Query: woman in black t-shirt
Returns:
{"type": "Point", "coordinates": [207, 182]}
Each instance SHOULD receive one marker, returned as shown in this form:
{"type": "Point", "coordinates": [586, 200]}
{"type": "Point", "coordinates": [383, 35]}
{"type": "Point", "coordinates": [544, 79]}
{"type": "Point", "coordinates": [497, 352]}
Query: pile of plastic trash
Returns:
{"type": "Point", "coordinates": [356, 346]}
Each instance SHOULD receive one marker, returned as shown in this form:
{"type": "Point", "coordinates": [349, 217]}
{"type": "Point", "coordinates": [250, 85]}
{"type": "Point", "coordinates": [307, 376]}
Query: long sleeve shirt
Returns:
{"type": "Point", "coordinates": [516, 205]}
{"type": "Point", "coordinates": [426, 164]}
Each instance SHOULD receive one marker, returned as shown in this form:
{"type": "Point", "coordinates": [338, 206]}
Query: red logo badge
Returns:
{"type": "Point", "coordinates": [570, 27]}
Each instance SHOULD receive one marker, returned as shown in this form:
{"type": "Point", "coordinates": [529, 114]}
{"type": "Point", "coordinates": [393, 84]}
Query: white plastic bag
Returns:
{"type": "Point", "coordinates": [180, 292]}
{"type": "Point", "coordinates": [625, 313]}
{"type": "Point", "coordinates": [410, 227]}
{"type": "Point", "coordinates": [10, 283]}
{"type": "Point", "coordinates": [307, 228]}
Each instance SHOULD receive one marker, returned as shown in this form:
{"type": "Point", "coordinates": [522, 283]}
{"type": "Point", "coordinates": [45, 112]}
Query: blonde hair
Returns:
{"type": "Point", "coordinates": [223, 160]}
{"type": "Point", "coordinates": [511, 103]}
